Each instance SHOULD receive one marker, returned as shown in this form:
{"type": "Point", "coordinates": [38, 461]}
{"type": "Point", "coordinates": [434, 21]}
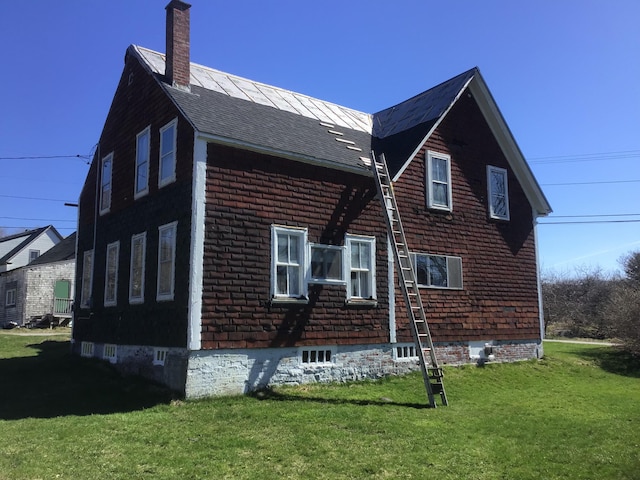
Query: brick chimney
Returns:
{"type": "Point", "coordinates": [178, 57]}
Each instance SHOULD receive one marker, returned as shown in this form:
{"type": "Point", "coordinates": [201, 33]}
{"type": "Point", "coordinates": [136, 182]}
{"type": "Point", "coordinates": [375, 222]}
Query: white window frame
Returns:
{"type": "Point", "coordinates": [106, 186]}
{"type": "Point", "coordinates": [86, 349]}
{"type": "Point", "coordinates": [429, 181]}
{"type": "Point", "coordinates": [111, 295]}
{"type": "Point", "coordinates": [452, 263]}
{"type": "Point", "coordinates": [110, 352]}
{"type": "Point", "coordinates": [317, 356]}
{"type": "Point", "coordinates": [493, 195]}
{"type": "Point", "coordinates": [33, 254]}
{"type": "Point", "coordinates": [171, 228]}
{"type": "Point", "coordinates": [170, 155]}
{"type": "Point", "coordinates": [141, 237]}
{"type": "Point", "coordinates": [143, 158]}
{"type": "Point", "coordinates": [87, 279]}
{"type": "Point", "coordinates": [160, 356]}
{"type": "Point", "coordinates": [10, 297]}
{"type": "Point", "coordinates": [350, 240]}
{"type": "Point", "coordinates": [324, 280]}
{"type": "Point", "coordinates": [300, 234]}
{"type": "Point", "coordinates": [405, 352]}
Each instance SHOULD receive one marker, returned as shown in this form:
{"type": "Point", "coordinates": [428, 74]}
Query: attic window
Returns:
{"type": "Point", "coordinates": [498, 193]}
{"type": "Point", "coordinates": [438, 181]}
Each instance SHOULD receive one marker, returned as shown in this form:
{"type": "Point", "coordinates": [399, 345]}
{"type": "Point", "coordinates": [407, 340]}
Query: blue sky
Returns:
{"type": "Point", "coordinates": [565, 74]}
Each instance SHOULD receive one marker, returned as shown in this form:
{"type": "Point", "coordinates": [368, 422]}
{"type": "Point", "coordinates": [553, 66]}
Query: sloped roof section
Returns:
{"type": "Point", "coordinates": [20, 241]}
{"type": "Point", "coordinates": [65, 250]}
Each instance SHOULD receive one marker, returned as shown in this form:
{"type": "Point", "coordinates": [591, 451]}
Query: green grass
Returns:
{"type": "Point", "coordinates": [574, 414]}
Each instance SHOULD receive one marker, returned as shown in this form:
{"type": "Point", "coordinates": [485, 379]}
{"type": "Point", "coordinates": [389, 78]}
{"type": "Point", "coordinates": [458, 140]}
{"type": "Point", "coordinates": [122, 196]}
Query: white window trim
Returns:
{"type": "Point", "coordinates": [429, 184]}
{"type": "Point", "coordinates": [110, 352]}
{"type": "Point", "coordinates": [134, 238]}
{"type": "Point", "coordinates": [10, 297]}
{"type": "Point", "coordinates": [163, 297]}
{"type": "Point", "coordinates": [107, 208]}
{"type": "Point", "coordinates": [327, 281]}
{"type": "Point", "coordinates": [491, 169]}
{"type": "Point", "coordinates": [33, 254]}
{"type": "Point", "coordinates": [114, 301]}
{"type": "Point", "coordinates": [349, 239]}
{"type": "Point", "coordinates": [303, 287]}
{"type": "Point", "coordinates": [160, 356]}
{"type": "Point", "coordinates": [309, 356]}
{"type": "Point", "coordinates": [140, 193]}
{"type": "Point", "coordinates": [171, 178]}
{"type": "Point", "coordinates": [405, 352]}
{"type": "Point", "coordinates": [86, 349]}
{"type": "Point", "coordinates": [449, 258]}
{"type": "Point", "coordinates": [85, 302]}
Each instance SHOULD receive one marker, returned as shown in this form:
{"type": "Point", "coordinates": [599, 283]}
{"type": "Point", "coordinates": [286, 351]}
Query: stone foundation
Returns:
{"type": "Point", "coordinates": [207, 373]}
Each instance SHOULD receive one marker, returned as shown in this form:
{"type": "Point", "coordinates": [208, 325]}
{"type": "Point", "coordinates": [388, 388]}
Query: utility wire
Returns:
{"type": "Point", "coordinates": [588, 222]}
{"type": "Point", "coordinates": [36, 198]}
{"type": "Point", "coordinates": [588, 183]}
{"type": "Point", "coordinates": [37, 219]}
{"type": "Point", "coordinates": [586, 157]}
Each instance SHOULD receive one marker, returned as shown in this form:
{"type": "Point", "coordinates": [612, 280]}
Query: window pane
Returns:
{"type": "Point", "coordinates": [333, 260]}
{"type": "Point", "coordinates": [294, 281]}
{"type": "Point", "coordinates": [438, 271]}
{"type": "Point", "coordinates": [422, 269]}
{"type": "Point", "coordinates": [167, 141]}
{"type": "Point", "coordinates": [439, 170]}
{"type": "Point", "coordinates": [281, 281]}
{"type": "Point", "coordinates": [440, 194]}
{"type": "Point", "coordinates": [355, 255]}
{"type": "Point", "coordinates": [283, 248]}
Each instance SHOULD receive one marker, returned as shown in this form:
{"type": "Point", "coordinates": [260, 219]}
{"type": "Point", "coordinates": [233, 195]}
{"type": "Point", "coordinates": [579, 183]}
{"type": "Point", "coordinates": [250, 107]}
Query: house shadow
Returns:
{"type": "Point", "coordinates": [55, 383]}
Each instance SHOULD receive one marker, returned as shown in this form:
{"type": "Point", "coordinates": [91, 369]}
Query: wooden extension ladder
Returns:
{"type": "Point", "coordinates": [431, 372]}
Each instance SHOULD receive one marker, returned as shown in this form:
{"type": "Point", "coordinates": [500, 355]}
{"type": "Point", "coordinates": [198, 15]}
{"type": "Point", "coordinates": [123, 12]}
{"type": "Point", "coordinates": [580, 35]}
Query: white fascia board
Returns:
{"type": "Point", "coordinates": [196, 255]}
{"type": "Point", "coordinates": [318, 162]}
{"type": "Point", "coordinates": [433, 129]}
{"type": "Point", "coordinates": [512, 152]}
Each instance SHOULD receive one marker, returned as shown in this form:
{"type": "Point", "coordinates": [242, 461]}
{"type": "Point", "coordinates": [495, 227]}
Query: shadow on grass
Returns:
{"type": "Point", "coordinates": [270, 394]}
{"type": "Point", "coordinates": [613, 360]}
{"type": "Point", "coordinates": [55, 383]}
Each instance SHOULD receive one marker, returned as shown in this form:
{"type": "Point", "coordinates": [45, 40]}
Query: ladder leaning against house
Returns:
{"type": "Point", "coordinates": [431, 372]}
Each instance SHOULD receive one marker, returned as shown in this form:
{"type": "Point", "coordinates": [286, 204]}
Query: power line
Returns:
{"type": "Point", "coordinates": [588, 222]}
{"type": "Point", "coordinates": [586, 157]}
{"type": "Point", "coordinates": [37, 219]}
{"type": "Point", "coordinates": [588, 183]}
{"type": "Point", "coordinates": [597, 215]}
{"type": "Point", "coordinates": [35, 198]}
{"type": "Point", "coordinates": [46, 157]}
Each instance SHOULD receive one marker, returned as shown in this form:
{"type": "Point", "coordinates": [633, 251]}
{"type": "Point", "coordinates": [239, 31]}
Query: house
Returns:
{"type": "Point", "coordinates": [44, 287]}
{"type": "Point", "coordinates": [230, 237]}
{"type": "Point", "coordinates": [19, 249]}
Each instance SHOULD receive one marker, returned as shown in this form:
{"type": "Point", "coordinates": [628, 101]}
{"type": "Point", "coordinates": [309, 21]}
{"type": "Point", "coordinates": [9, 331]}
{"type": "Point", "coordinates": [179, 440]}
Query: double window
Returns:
{"type": "Point", "coordinates": [498, 193]}
{"type": "Point", "coordinates": [87, 279]}
{"type": "Point", "coordinates": [167, 164]}
{"type": "Point", "coordinates": [166, 261]}
{"type": "Point", "coordinates": [143, 144]}
{"type": "Point", "coordinates": [438, 181]}
{"type": "Point", "coordinates": [297, 263]}
{"type": "Point", "coordinates": [105, 183]}
{"type": "Point", "coordinates": [111, 274]}
{"type": "Point", "coordinates": [136, 273]}
{"type": "Point", "coordinates": [438, 271]}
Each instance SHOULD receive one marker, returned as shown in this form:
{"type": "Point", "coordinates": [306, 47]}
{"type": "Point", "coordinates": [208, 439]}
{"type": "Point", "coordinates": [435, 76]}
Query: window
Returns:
{"type": "Point", "coordinates": [167, 169]}
{"type": "Point", "coordinates": [86, 349]}
{"type": "Point", "coordinates": [87, 279]}
{"type": "Point", "coordinates": [316, 356]}
{"type": "Point", "coordinates": [287, 262]}
{"type": "Point", "coordinates": [111, 275]}
{"type": "Point", "coordinates": [498, 193]}
{"type": "Point", "coordinates": [405, 352]}
{"type": "Point", "coordinates": [142, 163]}
{"type": "Point", "coordinates": [110, 353]}
{"type": "Point", "coordinates": [105, 184]}
{"type": "Point", "coordinates": [326, 264]}
{"type": "Point", "coordinates": [438, 181]}
{"type": "Point", "coordinates": [361, 278]}
{"type": "Point", "coordinates": [166, 260]}
{"type": "Point", "coordinates": [438, 271]}
{"type": "Point", "coordinates": [159, 356]}
{"type": "Point", "coordinates": [33, 254]}
{"type": "Point", "coordinates": [10, 297]}
{"type": "Point", "coordinates": [136, 274]}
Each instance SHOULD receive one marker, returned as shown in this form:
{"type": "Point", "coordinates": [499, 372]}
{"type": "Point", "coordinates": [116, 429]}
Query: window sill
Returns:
{"type": "Point", "coordinates": [284, 301]}
{"type": "Point", "coordinates": [361, 302]}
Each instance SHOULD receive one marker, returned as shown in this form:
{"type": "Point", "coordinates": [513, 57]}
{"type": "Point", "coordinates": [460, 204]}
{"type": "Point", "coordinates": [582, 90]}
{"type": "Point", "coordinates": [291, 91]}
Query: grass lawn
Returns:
{"type": "Point", "coordinates": [574, 414]}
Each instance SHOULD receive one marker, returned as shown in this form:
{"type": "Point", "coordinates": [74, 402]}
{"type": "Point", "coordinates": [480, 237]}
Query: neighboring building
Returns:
{"type": "Point", "coordinates": [235, 239]}
{"type": "Point", "coordinates": [43, 287]}
{"type": "Point", "coordinates": [18, 250]}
